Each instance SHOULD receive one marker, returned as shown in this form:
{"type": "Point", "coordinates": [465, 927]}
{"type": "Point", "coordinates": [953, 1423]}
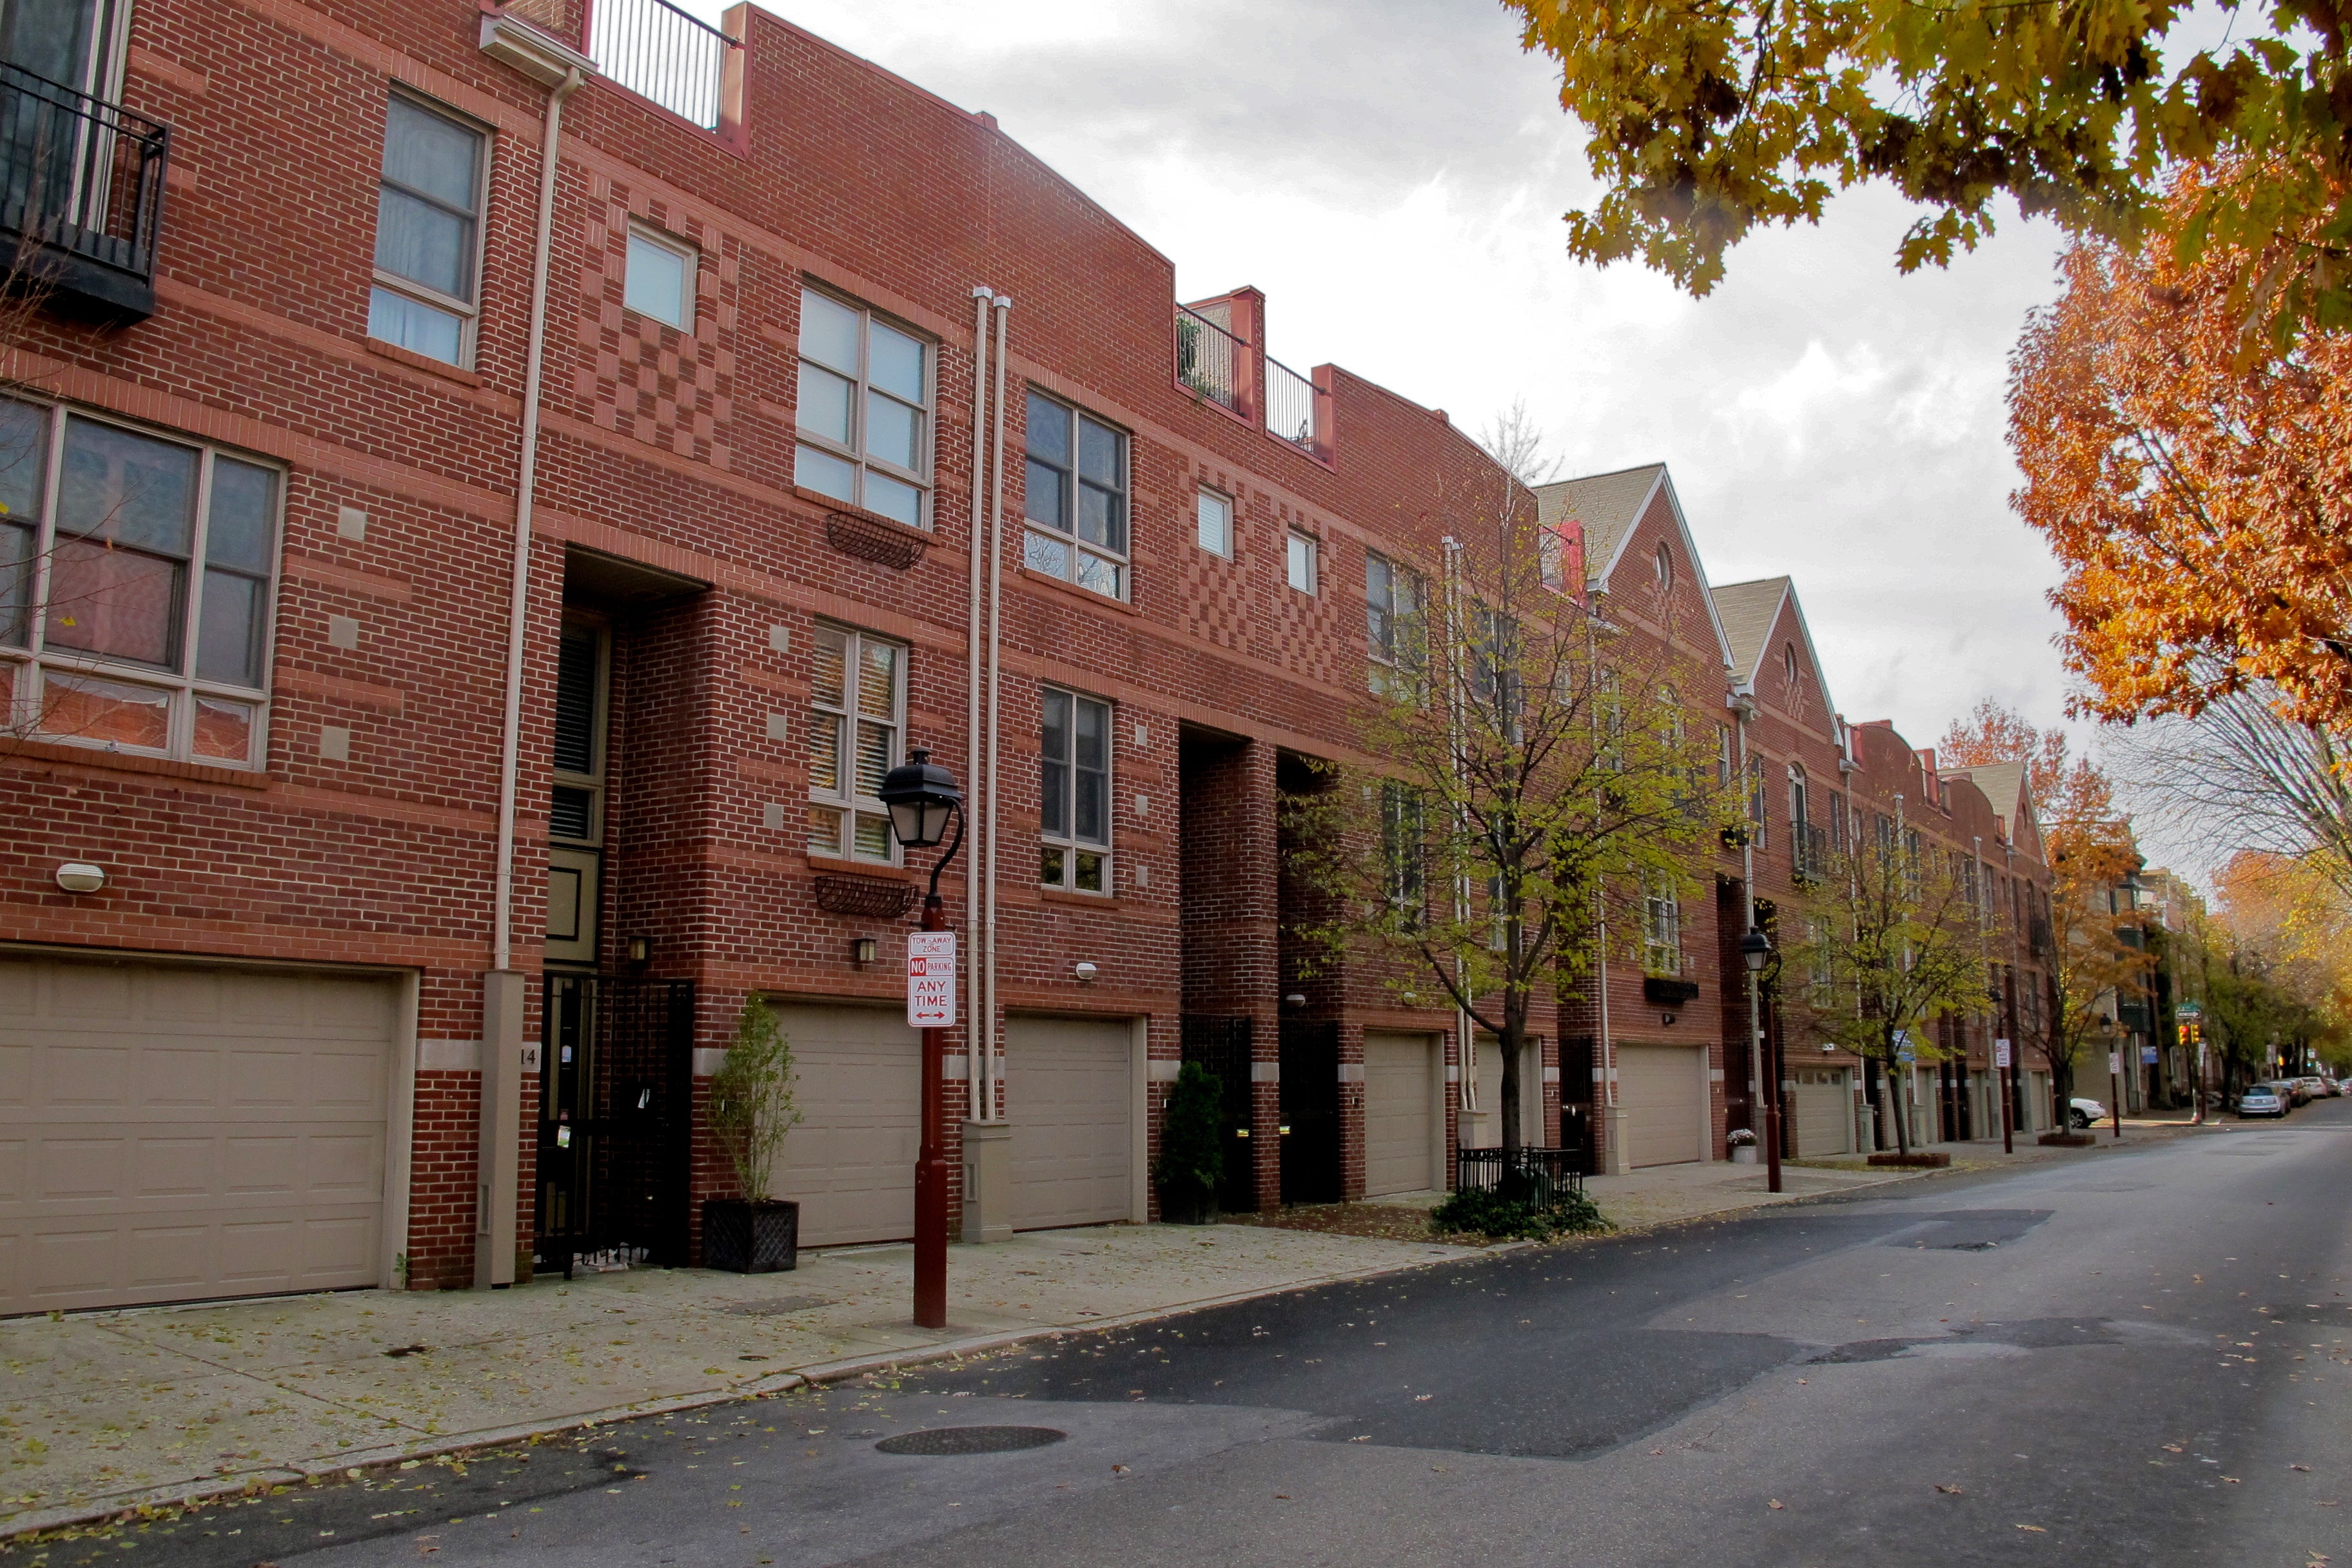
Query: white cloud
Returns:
{"type": "Point", "coordinates": [1393, 173]}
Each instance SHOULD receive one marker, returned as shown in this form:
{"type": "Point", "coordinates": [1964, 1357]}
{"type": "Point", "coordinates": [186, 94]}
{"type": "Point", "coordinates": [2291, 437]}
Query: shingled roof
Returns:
{"type": "Point", "coordinates": [1748, 611]}
{"type": "Point", "coordinates": [1608, 505]}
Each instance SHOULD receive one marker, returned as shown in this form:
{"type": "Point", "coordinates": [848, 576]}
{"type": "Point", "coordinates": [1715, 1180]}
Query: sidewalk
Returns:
{"type": "Point", "coordinates": [102, 1411]}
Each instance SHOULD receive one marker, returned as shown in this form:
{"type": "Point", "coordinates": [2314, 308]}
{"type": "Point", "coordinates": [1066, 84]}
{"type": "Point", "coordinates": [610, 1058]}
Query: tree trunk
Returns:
{"type": "Point", "coordinates": [1896, 1072]}
{"type": "Point", "coordinates": [1515, 1031]}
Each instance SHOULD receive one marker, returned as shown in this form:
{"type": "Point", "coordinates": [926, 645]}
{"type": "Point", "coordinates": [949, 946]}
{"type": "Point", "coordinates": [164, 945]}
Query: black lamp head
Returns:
{"type": "Point", "coordinates": [922, 797]}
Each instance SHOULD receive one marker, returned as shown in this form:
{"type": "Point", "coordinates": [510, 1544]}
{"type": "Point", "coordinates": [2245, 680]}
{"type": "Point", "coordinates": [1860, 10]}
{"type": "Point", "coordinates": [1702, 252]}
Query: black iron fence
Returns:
{"type": "Point", "coordinates": [1223, 1046]}
{"type": "Point", "coordinates": [1290, 404]}
{"type": "Point", "coordinates": [661, 53]}
{"type": "Point", "coordinates": [616, 1121]}
{"type": "Point", "coordinates": [1541, 1177]}
{"type": "Point", "coordinates": [81, 189]}
{"type": "Point", "coordinates": [1208, 358]}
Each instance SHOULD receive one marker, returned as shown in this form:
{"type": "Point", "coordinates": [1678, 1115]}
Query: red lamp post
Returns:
{"type": "Point", "coordinates": [1755, 948]}
{"type": "Point", "coordinates": [922, 797]}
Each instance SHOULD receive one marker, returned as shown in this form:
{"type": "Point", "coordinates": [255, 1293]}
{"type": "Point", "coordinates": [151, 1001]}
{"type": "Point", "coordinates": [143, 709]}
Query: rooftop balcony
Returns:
{"type": "Point", "coordinates": [81, 197]}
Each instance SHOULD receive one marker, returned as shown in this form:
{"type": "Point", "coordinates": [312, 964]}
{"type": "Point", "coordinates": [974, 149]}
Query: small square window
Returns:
{"type": "Point", "coordinates": [661, 280]}
{"type": "Point", "coordinates": [1216, 523]}
{"type": "Point", "coordinates": [1300, 561]}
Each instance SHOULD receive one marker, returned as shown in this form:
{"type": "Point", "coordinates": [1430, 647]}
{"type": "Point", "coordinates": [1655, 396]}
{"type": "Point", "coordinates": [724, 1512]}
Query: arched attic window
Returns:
{"type": "Point", "coordinates": [1663, 564]}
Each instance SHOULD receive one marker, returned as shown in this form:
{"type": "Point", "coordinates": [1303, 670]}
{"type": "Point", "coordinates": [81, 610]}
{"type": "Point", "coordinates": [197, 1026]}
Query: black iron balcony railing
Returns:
{"type": "Point", "coordinates": [663, 54]}
{"type": "Point", "coordinates": [1290, 406]}
{"type": "Point", "coordinates": [81, 196]}
{"type": "Point", "coordinates": [1208, 359]}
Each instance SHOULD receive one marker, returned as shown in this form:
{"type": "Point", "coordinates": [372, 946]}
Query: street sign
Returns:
{"type": "Point", "coordinates": [2187, 1010]}
{"type": "Point", "coordinates": [2000, 1053]}
{"type": "Point", "coordinates": [1904, 1049]}
{"type": "Point", "coordinates": [2148, 1055]}
{"type": "Point", "coordinates": [931, 979]}
{"type": "Point", "coordinates": [2114, 1064]}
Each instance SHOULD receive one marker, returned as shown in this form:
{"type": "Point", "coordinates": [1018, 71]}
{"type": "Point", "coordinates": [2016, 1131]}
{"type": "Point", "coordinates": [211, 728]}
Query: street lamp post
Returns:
{"type": "Point", "coordinates": [1754, 949]}
{"type": "Point", "coordinates": [922, 797]}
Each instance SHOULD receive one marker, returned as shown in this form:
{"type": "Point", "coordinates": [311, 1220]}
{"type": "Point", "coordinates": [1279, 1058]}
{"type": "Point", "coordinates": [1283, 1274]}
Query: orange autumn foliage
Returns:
{"type": "Point", "coordinates": [2195, 485]}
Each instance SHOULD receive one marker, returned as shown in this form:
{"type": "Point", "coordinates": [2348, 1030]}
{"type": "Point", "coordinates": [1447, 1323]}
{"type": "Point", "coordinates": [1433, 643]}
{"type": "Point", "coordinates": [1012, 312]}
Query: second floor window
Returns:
{"type": "Point", "coordinates": [857, 700]}
{"type": "Point", "coordinates": [1403, 851]}
{"type": "Point", "coordinates": [1075, 499]}
{"type": "Point", "coordinates": [864, 411]}
{"type": "Point", "coordinates": [1662, 930]}
{"type": "Point", "coordinates": [1392, 631]}
{"type": "Point", "coordinates": [136, 581]}
{"type": "Point", "coordinates": [1073, 793]}
{"type": "Point", "coordinates": [427, 233]}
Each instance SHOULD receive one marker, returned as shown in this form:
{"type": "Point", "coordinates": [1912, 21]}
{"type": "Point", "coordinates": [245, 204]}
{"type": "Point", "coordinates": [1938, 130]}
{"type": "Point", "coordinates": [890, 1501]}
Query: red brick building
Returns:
{"type": "Point", "coordinates": [455, 606]}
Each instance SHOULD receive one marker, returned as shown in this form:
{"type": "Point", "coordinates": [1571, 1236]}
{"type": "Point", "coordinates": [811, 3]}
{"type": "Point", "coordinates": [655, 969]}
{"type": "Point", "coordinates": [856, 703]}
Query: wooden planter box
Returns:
{"type": "Point", "coordinates": [2067, 1139]}
{"type": "Point", "coordinates": [743, 1238]}
{"type": "Point", "coordinates": [1923, 1161]}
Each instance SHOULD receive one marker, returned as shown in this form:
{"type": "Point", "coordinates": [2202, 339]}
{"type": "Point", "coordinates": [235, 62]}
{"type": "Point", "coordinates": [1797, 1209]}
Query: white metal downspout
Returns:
{"type": "Point", "coordinates": [518, 593]}
{"type": "Point", "coordinates": [975, 1045]}
{"type": "Point", "coordinates": [1003, 306]}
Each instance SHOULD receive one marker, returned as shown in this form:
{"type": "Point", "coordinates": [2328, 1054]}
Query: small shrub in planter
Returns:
{"type": "Point", "coordinates": [1482, 1211]}
{"type": "Point", "coordinates": [2066, 1140]}
{"type": "Point", "coordinates": [1192, 1148]}
{"type": "Point", "coordinates": [752, 1109]}
{"type": "Point", "coordinates": [1742, 1142]}
{"type": "Point", "coordinates": [1917, 1158]}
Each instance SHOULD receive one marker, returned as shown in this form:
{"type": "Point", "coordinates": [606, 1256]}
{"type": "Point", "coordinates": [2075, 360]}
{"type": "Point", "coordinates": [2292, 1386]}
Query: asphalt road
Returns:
{"type": "Point", "coordinates": [2140, 1358]}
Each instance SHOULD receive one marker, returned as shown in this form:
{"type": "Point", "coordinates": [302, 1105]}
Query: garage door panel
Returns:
{"type": "Point", "coordinates": [1663, 1090]}
{"type": "Point", "coordinates": [1069, 1095]}
{"type": "Point", "coordinates": [1399, 1109]}
{"type": "Point", "coordinates": [850, 1164]}
{"type": "Point", "coordinates": [163, 1149]}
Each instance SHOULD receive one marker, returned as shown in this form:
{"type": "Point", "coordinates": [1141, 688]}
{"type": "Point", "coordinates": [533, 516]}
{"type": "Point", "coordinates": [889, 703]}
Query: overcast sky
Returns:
{"type": "Point", "coordinates": [1393, 173]}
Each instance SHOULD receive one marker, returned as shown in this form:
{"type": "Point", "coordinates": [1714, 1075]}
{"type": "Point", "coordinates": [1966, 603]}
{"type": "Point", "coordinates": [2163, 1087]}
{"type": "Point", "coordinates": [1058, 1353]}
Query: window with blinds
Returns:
{"type": "Point", "coordinates": [857, 702]}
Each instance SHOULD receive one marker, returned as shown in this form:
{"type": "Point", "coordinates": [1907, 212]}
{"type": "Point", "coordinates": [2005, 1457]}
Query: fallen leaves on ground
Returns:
{"type": "Point", "coordinates": [1378, 1222]}
{"type": "Point", "coordinates": [1775, 1502]}
{"type": "Point", "coordinates": [1948, 1492]}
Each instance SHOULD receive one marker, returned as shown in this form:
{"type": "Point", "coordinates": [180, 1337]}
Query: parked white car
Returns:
{"type": "Point", "coordinates": [2262, 1099]}
{"type": "Point", "coordinates": [2083, 1112]}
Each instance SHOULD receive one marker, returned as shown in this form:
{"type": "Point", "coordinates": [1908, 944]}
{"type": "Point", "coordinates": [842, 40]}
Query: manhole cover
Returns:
{"type": "Point", "coordinates": [773, 1306]}
{"type": "Point", "coordinates": [937, 1440]}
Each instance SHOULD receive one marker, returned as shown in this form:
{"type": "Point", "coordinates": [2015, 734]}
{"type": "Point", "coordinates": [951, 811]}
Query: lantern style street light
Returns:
{"type": "Point", "coordinates": [922, 797]}
{"type": "Point", "coordinates": [1755, 948]}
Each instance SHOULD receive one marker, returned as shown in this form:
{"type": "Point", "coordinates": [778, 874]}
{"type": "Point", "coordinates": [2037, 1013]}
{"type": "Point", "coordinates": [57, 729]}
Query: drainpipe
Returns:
{"type": "Point", "coordinates": [499, 1166]}
{"type": "Point", "coordinates": [973, 1045]}
{"type": "Point", "coordinates": [1003, 312]}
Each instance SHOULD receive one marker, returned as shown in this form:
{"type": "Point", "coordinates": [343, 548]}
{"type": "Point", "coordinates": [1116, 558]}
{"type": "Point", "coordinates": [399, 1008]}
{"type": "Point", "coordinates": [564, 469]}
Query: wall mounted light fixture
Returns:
{"type": "Point", "coordinates": [861, 951]}
{"type": "Point", "coordinates": [641, 949]}
{"type": "Point", "coordinates": [1085, 972]}
{"type": "Point", "coordinates": [81, 877]}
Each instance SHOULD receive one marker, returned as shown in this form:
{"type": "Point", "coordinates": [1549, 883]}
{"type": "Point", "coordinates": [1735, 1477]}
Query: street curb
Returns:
{"type": "Point", "coordinates": [123, 1507]}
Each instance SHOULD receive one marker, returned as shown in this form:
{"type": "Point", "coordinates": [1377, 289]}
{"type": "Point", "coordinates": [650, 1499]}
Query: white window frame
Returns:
{"type": "Point", "coordinates": [690, 260]}
{"type": "Point", "coordinates": [1663, 564]}
{"type": "Point", "coordinates": [1071, 849]}
{"type": "Point", "coordinates": [1208, 496]}
{"type": "Point", "coordinates": [467, 311]}
{"type": "Point", "coordinates": [1392, 638]}
{"type": "Point", "coordinates": [842, 797]}
{"type": "Point", "coordinates": [1302, 549]}
{"type": "Point", "coordinates": [1062, 535]}
{"type": "Point", "coordinates": [28, 662]}
{"type": "Point", "coordinates": [1661, 929]}
{"type": "Point", "coordinates": [854, 452]}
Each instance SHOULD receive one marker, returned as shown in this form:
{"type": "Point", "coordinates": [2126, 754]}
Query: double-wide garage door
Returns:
{"type": "Point", "coordinates": [857, 1080]}
{"type": "Point", "coordinates": [1401, 1113]}
{"type": "Point", "coordinates": [174, 1132]}
{"type": "Point", "coordinates": [1664, 1092]}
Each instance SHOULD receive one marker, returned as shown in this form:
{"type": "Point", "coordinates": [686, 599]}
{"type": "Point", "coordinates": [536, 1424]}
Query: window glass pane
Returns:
{"type": "Point", "coordinates": [1054, 807]}
{"type": "Point", "coordinates": [228, 629]}
{"type": "Point", "coordinates": [658, 284]}
{"type": "Point", "coordinates": [131, 488]}
{"type": "Point", "coordinates": [428, 154]}
{"type": "Point", "coordinates": [877, 679]}
{"type": "Point", "coordinates": [1092, 804]}
{"type": "Point", "coordinates": [16, 580]}
{"type": "Point", "coordinates": [85, 709]}
{"type": "Point", "coordinates": [421, 329]}
{"type": "Point", "coordinates": [1102, 517]}
{"type": "Point", "coordinates": [224, 729]}
{"type": "Point", "coordinates": [826, 685]}
{"type": "Point", "coordinates": [575, 700]}
{"type": "Point", "coordinates": [900, 503]}
{"type": "Point", "coordinates": [570, 812]}
{"type": "Point", "coordinates": [873, 758]}
{"type": "Point", "coordinates": [824, 403]}
{"type": "Point", "coordinates": [1098, 454]}
{"type": "Point", "coordinates": [1093, 735]}
{"type": "Point", "coordinates": [824, 830]}
{"type": "Point", "coordinates": [423, 243]}
{"type": "Point", "coordinates": [825, 754]}
{"type": "Point", "coordinates": [22, 453]}
{"type": "Point", "coordinates": [1101, 575]}
{"type": "Point", "coordinates": [825, 474]}
{"type": "Point", "coordinates": [1054, 745]}
{"type": "Point", "coordinates": [117, 603]}
{"type": "Point", "coordinates": [245, 499]}
{"type": "Point", "coordinates": [1089, 878]}
{"type": "Point", "coordinates": [1216, 523]}
{"type": "Point", "coordinates": [828, 332]}
{"type": "Point", "coordinates": [893, 431]}
{"type": "Point", "coordinates": [1050, 556]}
{"type": "Point", "coordinates": [1301, 563]}
{"type": "Point", "coordinates": [1042, 498]}
{"type": "Point", "coordinates": [1049, 431]}
{"type": "Point", "coordinates": [873, 840]}
{"type": "Point", "coordinates": [895, 364]}
{"type": "Point", "coordinates": [1051, 866]}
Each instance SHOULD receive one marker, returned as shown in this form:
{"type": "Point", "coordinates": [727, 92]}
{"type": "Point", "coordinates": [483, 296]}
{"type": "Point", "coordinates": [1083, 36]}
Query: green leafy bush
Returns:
{"type": "Point", "coordinates": [751, 1104]}
{"type": "Point", "coordinates": [1192, 1144]}
{"type": "Point", "coordinates": [1481, 1211]}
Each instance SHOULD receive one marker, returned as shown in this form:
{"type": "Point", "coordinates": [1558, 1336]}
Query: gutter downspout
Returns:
{"type": "Point", "coordinates": [497, 1167]}
{"type": "Point", "coordinates": [1002, 304]}
{"type": "Point", "coordinates": [973, 1043]}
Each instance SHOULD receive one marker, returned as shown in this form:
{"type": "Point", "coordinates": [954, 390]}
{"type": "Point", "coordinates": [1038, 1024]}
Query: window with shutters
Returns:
{"type": "Point", "coordinates": [1073, 793]}
{"type": "Point", "coordinates": [857, 702]}
{"type": "Point", "coordinates": [576, 810]}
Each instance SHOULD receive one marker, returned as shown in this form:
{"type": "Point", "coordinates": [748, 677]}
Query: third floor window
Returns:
{"type": "Point", "coordinates": [1075, 499]}
{"type": "Point", "coordinates": [1393, 630]}
{"type": "Point", "coordinates": [864, 411]}
{"type": "Point", "coordinates": [427, 233]}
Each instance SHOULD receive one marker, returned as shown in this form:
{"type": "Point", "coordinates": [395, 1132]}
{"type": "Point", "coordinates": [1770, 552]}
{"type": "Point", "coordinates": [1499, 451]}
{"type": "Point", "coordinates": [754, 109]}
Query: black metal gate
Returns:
{"type": "Point", "coordinates": [1223, 1046]}
{"type": "Point", "coordinates": [615, 1120]}
{"type": "Point", "coordinates": [1310, 1111]}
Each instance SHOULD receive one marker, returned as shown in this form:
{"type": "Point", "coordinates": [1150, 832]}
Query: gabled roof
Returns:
{"type": "Point", "coordinates": [1748, 611]}
{"type": "Point", "coordinates": [1609, 507]}
{"type": "Point", "coordinates": [2004, 785]}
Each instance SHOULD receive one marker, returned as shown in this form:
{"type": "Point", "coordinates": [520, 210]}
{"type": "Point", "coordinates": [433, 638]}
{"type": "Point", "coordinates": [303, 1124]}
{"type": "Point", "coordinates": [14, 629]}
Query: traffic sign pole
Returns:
{"type": "Point", "coordinates": [931, 1006]}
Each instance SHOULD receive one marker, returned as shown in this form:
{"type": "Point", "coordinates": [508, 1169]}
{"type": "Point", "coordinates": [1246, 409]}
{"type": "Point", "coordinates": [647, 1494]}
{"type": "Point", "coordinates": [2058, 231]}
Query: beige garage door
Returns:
{"type": "Point", "coordinates": [175, 1133]}
{"type": "Point", "coordinates": [1400, 1113]}
{"type": "Point", "coordinates": [1663, 1089]}
{"type": "Point", "coordinates": [1068, 1090]}
{"type": "Point", "coordinates": [1823, 1113]}
{"type": "Point", "coordinates": [850, 1164]}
